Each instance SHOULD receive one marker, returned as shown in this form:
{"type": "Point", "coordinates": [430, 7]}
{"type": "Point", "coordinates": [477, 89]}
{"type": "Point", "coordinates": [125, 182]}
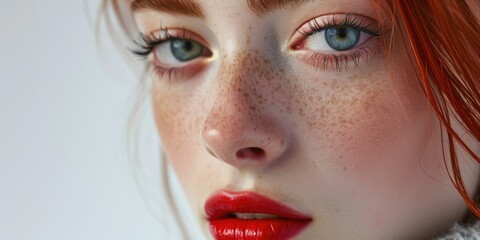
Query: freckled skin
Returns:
{"type": "Point", "coordinates": [358, 150]}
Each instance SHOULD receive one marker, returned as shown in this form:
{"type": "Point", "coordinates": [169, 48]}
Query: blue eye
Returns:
{"type": "Point", "coordinates": [336, 38]}
{"type": "Point", "coordinates": [342, 38]}
{"type": "Point", "coordinates": [185, 50]}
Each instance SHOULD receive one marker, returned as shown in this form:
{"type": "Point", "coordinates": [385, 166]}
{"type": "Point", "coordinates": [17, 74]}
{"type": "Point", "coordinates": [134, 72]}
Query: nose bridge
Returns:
{"type": "Point", "coordinates": [244, 72]}
{"type": "Point", "coordinates": [244, 63]}
{"type": "Point", "coordinates": [238, 127]}
{"type": "Point", "coordinates": [240, 84]}
{"type": "Point", "coordinates": [235, 82]}
{"type": "Point", "coordinates": [234, 96]}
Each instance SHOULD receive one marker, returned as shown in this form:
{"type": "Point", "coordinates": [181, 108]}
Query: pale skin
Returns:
{"type": "Point", "coordinates": [358, 149]}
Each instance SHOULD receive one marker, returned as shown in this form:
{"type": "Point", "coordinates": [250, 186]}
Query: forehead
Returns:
{"type": "Point", "coordinates": [194, 8]}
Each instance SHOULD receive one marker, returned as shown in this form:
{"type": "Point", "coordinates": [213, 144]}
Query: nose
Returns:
{"type": "Point", "coordinates": [241, 127]}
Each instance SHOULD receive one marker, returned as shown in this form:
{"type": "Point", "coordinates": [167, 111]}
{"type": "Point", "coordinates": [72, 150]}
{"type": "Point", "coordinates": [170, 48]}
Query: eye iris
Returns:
{"type": "Point", "coordinates": [185, 50]}
{"type": "Point", "coordinates": [342, 38]}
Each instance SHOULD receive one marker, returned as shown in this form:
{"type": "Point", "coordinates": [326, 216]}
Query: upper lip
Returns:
{"type": "Point", "coordinates": [224, 204]}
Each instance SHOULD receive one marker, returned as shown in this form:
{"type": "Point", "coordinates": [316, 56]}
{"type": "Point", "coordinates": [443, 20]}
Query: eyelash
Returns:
{"type": "Point", "coordinates": [145, 44]}
{"type": "Point", "coordinates": [349, 20]}
{"type": "Point", "coordinates": [338, 61]}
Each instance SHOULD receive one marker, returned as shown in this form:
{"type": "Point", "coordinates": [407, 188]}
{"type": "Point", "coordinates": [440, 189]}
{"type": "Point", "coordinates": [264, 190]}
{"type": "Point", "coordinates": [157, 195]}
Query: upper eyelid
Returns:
{"type": "Point", "coordinates": [320, 22]}
{"type": "Point", "coordinates": [147, 42]}
{"type": "Point", "coordinates": [329, 20]}
{"type": "Point", "coordinates": [178, 33]}
{"type": "Point", "coordinates": [337, 19]}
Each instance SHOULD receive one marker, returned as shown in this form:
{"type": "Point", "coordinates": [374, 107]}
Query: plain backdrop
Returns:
{"type": "Point", "coordinates": [63, 119]}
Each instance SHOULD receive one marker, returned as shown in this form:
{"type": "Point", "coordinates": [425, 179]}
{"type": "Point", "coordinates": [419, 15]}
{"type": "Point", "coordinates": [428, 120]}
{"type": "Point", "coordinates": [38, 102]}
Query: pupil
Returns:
{"type": "Point", "coordinates": [185, 50]}
{"type": "Point", "coordinates": [342, 32]}
{"type": "Point", "coordinates": [188, 46]}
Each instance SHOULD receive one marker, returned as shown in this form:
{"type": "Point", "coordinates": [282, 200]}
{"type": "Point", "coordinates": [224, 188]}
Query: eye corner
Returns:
{"type": "Point", "coordinates": [297, 41]}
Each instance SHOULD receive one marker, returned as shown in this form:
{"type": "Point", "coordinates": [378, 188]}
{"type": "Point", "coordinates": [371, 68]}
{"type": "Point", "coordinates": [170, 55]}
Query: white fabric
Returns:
{"type": "Point", "coordinates": [459, 232]}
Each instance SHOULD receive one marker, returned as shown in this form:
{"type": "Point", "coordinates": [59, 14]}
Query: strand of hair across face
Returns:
{"type": "Point", "coordinates": [446, 46]}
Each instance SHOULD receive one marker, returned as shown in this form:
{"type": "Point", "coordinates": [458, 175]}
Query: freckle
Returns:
{"type": "Point", "coordinates": [300, 111]}
{"type": "Point", "coordinates": [344, 168]}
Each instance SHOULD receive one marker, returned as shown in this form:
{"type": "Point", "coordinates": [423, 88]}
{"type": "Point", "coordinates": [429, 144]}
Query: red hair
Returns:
{"type": "Point", "coordinates": [445, 40]}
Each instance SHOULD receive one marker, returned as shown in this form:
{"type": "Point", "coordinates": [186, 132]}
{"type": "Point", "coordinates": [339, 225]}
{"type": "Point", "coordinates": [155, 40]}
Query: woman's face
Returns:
{"type": "Point", "coordinates": [301, 102]}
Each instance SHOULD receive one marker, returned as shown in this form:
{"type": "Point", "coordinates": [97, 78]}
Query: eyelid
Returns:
{"type": "Point", "coordinates": [166, 34]}
{"type": "Point", "coordinates": [331, 60]}
{"type": "Point", "coordinates": [365, 24]}
{"type": "Point", "coordinates": [206, 54]}
{"type": "Point", "coordinates": [146, 43]}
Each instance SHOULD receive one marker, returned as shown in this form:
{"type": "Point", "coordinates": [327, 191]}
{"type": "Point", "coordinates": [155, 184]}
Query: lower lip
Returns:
{"type": "Point", "coordinates": [258, 229]}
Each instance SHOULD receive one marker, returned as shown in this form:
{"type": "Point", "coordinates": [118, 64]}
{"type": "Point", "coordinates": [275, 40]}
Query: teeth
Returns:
{"type": "Point", "coordinates": [245, 215]}
{"type": "Point", "coordinates": [263, 215]}
{"type": "Point", "coordinates": [254, 215]}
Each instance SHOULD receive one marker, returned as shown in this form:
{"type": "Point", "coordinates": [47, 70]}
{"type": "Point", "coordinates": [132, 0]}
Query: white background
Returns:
{"type": "Point", "coordinates": [63, 120]}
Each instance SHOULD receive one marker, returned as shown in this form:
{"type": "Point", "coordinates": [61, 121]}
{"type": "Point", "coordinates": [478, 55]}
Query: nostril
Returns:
{"type": "Point", "coordinates": [253, 153]}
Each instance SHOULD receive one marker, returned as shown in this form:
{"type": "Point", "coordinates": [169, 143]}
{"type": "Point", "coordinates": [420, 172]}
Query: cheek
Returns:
{"type": "Point", "coordinates": [374, 129]}
{"type": "Point", "coordinates": [370, 136]}
{"type": "Point", "coordinates": [176, 122]}
{"type": "Point", "coordinates": [367, 119]}
{"type": "Point", "coordinates": [388, 128]}
{"type": "Point", "coordinates": [385, 134]}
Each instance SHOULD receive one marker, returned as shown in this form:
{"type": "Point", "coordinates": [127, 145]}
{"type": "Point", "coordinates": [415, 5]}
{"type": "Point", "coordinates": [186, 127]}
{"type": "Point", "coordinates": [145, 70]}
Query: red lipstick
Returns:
{"type": "Point", "coordinates": [247, 215]}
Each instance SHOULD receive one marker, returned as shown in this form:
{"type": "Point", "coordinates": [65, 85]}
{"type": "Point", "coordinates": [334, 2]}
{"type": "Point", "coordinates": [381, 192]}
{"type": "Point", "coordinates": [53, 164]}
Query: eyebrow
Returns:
{"type": "Point", "coordinates": [262, 7]}
{"type": "Point", "coordinates": [192, 8]}
{"type": "Point", "coordinates": [185, 7]}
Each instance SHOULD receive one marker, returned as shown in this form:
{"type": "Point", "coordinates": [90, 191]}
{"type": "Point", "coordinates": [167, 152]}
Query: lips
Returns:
{"type": "Point", "coordinates": [247, 215]}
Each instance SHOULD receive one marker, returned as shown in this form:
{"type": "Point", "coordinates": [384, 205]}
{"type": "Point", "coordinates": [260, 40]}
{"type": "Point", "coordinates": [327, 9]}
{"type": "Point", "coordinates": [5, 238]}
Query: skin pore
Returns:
{"type": "Point", "coordinates": [352, 143]}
